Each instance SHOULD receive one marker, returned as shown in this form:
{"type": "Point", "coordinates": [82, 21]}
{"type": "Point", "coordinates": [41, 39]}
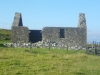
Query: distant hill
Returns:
{"type": "Point", "coordinates": [5, 34]}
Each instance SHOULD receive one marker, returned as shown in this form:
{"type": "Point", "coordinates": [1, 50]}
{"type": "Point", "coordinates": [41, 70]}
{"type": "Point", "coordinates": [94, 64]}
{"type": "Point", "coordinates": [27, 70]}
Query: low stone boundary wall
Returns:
{"type": "Point", "coordinates": [42, 44]}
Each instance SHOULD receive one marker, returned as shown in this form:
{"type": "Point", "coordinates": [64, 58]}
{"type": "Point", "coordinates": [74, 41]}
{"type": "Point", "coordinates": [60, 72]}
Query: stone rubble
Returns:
{"type": "Point", "coordinates": [42, 44]}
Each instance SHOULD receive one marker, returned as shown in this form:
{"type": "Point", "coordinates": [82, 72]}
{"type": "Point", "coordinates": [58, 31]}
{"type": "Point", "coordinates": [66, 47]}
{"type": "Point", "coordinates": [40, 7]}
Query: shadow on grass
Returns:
{"type": "Point", "coordinates": [1, 45]}
{"type": "Point", "coordinates": [34, 52]}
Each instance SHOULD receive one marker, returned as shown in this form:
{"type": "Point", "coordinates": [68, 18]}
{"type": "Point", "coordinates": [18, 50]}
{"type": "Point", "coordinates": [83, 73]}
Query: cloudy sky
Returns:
{"type": "Point", "coordinates": [37, 14]}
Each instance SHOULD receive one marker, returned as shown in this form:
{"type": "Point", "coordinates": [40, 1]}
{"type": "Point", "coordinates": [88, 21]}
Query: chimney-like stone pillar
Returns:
{"type": "Point", "coordinates": [82, 20]}
{"type": "Point", "coordinates": [17, 20]}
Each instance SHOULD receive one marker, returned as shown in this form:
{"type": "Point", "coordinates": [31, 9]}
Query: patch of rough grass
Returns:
{"type": "Point", "coordinates": [23, 61]}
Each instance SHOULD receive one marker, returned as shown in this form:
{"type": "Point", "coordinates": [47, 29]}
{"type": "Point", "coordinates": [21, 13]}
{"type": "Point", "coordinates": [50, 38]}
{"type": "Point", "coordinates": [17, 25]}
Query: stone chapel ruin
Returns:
{"type": "Point", "coordinates": [73, 37]}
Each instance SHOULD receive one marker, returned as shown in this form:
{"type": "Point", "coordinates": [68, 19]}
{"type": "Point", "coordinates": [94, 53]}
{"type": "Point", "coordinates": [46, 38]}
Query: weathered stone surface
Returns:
{"type": "Point", "coordinates": [57, 37]}
{"type": "Point", "coordinates": [82, 21]}
{"type": "Point", "coordinates": [20, 34]}
{"type": "Point", "coordinates": [72, 36]}
{"type": "Point", "coordinates": [17, 20]}
{"type": "Point", "coordinates": [44, 44]}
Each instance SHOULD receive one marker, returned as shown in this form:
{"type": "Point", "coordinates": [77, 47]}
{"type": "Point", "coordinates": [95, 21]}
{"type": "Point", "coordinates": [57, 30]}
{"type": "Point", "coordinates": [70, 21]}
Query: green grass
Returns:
{"type": "Point", "coordinates": [2, 42]}
{"type": "Point", "coordinates": [5, 41]}
{"type": "Point", "coordinates": [5, 34]}
{"type": "Point", "coordinates": [23, 61]}
{"type": "Point", "coordinates": [5, 31]}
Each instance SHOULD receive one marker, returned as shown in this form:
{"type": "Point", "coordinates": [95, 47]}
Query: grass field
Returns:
{"type": "Point", "coordinates": [23, 61]}
{"type": "Point", "coordinates": [5, 34]}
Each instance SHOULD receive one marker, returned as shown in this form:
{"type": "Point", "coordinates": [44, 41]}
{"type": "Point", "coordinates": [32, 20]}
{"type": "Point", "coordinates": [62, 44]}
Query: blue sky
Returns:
{"type": "Point", "coordinates": [37, 14]}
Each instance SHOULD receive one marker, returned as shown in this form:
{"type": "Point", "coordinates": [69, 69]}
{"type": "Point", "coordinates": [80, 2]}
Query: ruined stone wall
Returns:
{"type": "Point", "coordinates": [20, 34]}
{"type": "Point", "coordinates": [71, 35]}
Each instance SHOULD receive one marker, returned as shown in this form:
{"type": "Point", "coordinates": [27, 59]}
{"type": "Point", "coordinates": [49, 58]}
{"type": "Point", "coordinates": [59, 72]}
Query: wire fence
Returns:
{"type": "Point", "coordinates": [94, 48]}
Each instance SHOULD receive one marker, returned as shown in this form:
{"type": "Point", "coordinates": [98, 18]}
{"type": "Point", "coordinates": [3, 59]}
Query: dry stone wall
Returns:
{"type": "Point", "coordinates": [20, 34]}
{"type": "Point", "coordinates": [72, 36]}
{"type": "Point", "coordinates": [82, 21]}
{"type": "Point", "coordinates": [57, 37]}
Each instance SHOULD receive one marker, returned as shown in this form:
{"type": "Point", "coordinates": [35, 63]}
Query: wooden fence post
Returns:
{"type": "Point", "coordinates": [95, 48]}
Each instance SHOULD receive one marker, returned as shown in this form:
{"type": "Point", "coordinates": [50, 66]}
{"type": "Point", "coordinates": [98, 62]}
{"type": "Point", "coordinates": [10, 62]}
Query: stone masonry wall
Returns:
{"type": "Point", "coordinates": [20, 34]}
{"type": "Point", "coordinates": [72, 36]}
{"type": "Point", "coordinates": [17, 20]}
{"type": "Point", "coordinates": [82, 21]}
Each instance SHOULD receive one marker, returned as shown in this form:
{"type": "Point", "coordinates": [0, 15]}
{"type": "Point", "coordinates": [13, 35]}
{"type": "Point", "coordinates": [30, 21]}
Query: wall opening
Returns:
{"type": "Point", "coordinates": [62, 33]}
{"type": "Point", "coordinates": [35, 36]}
